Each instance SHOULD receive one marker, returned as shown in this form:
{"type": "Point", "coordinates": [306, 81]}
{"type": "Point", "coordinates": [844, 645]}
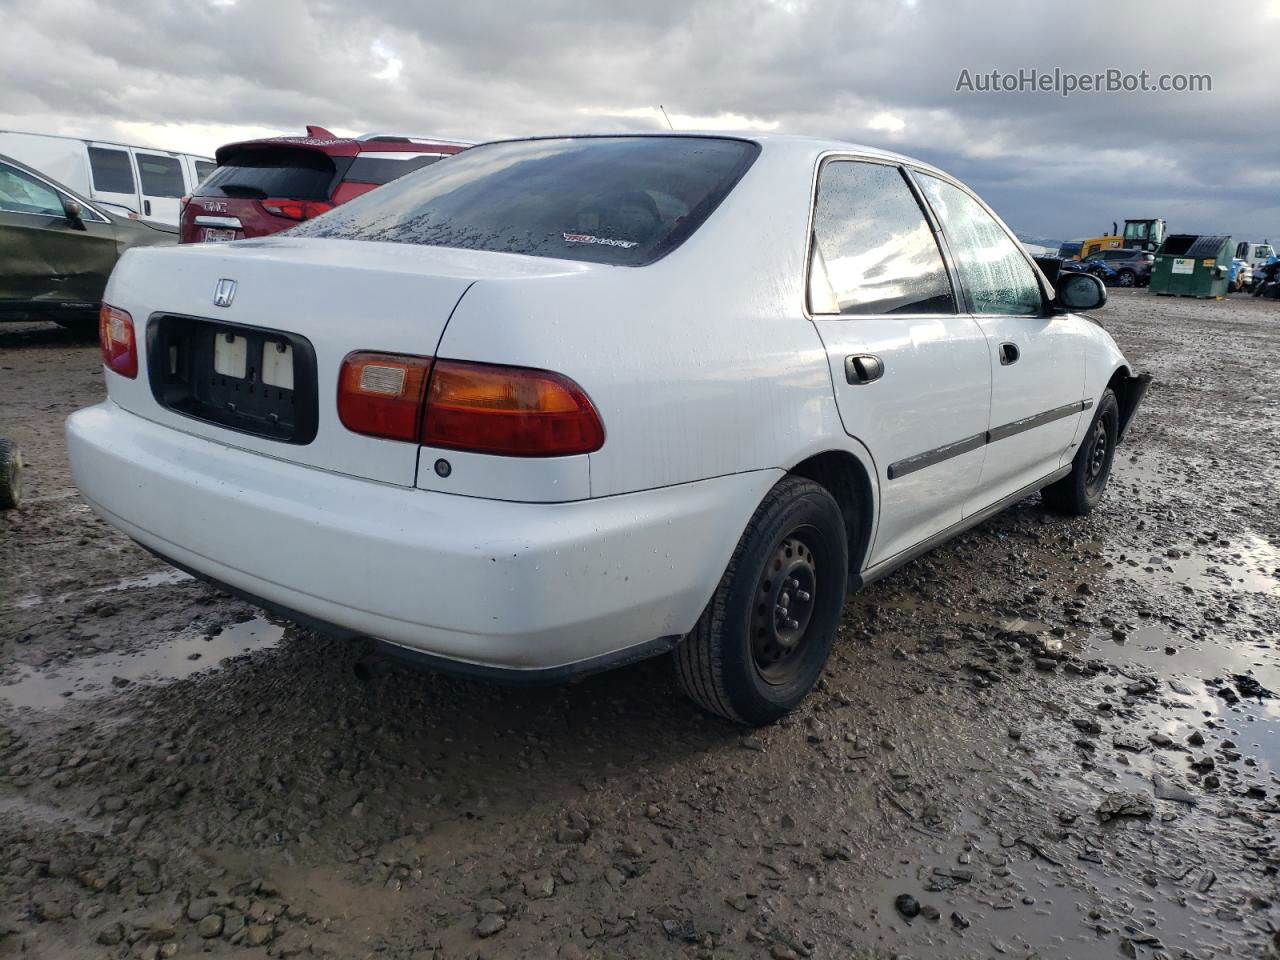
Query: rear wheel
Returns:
{"type": "Point", "coordinates": [1080, 490]}
{"type": "Point", "coordinates": [764, 638]}
{"type": "Point", "coordinates": [10, 475]}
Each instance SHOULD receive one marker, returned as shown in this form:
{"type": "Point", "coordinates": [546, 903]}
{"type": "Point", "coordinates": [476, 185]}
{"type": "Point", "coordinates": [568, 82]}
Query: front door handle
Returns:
{"type": "Point", "coordinates": [1009, 354]}
{"type": "Point", "coordinates": [863, 368]}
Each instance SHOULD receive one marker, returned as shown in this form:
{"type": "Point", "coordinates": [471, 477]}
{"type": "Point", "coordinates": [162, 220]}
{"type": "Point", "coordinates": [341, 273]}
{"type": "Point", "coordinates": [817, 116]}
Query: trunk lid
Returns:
{"type": "Point", "coordinates": [242, 343]}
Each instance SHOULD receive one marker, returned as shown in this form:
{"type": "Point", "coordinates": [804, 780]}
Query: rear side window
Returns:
{"type": "Point", "coordinates": [618, 200]}
{"type": "Point", "coordinates": [873, 251]}
{"type": "Point", "coordinates": [993, 270]}
{"type": "Point", "coordinates": [278, 172]}
{"type": "Point", "coordinates": [204, 168]}
{"type": "Point", "coordinates": [160, 176]}
{"type": "Point", "coordinates": [380, 170]}
{"type": "Point", "coordinates": [112, 172]}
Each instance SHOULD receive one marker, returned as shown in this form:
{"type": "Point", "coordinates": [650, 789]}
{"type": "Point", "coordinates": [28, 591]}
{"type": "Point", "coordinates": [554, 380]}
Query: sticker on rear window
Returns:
{"type": "Point", "coordinates": [603, 241]}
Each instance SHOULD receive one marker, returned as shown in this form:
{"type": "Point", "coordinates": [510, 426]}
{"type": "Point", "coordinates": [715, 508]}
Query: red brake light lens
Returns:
{"type": "Point", "coordinates": [512, 411]}
{"type": "Point", "coordinates": [296, 209]}
{"type": "Point", "coordinates": [119, 344]}
{"type": "Point", "coordinates": [380, 394]}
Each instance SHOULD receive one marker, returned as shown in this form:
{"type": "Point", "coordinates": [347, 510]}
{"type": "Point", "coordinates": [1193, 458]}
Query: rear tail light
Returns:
{"type": "Point", "coordinates": [508, 410]}
{"type": "Point", "coordinates": [119, 344]}
{"type": "Point", "coordinates": [474, 407]}
{"type": "Point", "coordinates": [380, 394]}
{"type": "Point", "coordinates": [295, 209]}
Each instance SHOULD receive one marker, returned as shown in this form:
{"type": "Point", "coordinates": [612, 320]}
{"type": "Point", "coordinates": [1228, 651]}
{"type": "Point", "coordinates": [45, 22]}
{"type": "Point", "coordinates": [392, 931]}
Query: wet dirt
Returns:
{"type": "Point", "coordinates": [1052, 737]}
{"type": "Point", "coordinates": [172, 659]}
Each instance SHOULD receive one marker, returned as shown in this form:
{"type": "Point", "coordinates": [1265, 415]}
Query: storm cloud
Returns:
{"type": "Point", "coordinates": [191, 74]}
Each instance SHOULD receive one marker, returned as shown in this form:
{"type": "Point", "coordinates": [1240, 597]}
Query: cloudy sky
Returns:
{"type": "Point", "coordinates": [191, 74]}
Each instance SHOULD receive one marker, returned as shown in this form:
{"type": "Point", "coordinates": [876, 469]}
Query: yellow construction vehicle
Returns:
{"type": "Point", "coordinates": [1138, 235]}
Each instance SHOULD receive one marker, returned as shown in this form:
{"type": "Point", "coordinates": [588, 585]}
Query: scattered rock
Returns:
{"type": "Point", "coordinates": [1166, 789]}
{"type": "Point", "coordinates": [1125, 804]}
{"type": "Point", "coordinates": [681, 929]}
{"type": "Point", "coordinates": [210, 926]}
{"type": "Point", "coordinates": [200, 908]}
{"type": "Point", "coordinates": [907, 905]}
{"type": "Point", "coordinates": [490, 924]}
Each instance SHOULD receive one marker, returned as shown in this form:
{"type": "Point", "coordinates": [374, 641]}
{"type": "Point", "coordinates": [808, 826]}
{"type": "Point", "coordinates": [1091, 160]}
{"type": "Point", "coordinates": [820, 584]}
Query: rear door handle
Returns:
{"type": "Point", "coordinates": [863, 368]}
{"type": "Point", "coordinates": [146, 206]}
{"type": "Point", "coordinates": [1009, 354]}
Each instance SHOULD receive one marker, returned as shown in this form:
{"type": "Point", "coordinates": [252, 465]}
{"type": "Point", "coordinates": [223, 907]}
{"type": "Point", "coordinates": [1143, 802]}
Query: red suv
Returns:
{"type": "Point", "coordinates": [263, 186]}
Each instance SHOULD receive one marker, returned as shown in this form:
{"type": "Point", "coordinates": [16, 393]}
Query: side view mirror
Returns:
{"type": "Point", "coordinates": [74, 212]}
{"type": "Point", "coordinates": [1079, 291]}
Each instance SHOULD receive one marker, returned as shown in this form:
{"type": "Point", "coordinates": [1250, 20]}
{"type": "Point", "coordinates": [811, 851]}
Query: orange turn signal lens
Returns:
{"type": "Point", "coordinates": [486, 408]}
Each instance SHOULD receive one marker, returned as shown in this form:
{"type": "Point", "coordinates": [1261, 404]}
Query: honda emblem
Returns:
{"type": "Point", "coordinates": [224, 293]}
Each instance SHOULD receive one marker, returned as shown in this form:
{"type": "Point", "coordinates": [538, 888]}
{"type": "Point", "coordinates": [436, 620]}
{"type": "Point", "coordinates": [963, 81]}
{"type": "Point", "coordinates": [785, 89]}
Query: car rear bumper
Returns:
{"type": "Point", "coordinates": [493, 585]}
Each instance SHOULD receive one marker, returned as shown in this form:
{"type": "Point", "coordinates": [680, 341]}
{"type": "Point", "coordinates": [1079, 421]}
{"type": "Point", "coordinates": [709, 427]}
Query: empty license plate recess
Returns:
{"type": "Point", "coordinates": [252, 380]}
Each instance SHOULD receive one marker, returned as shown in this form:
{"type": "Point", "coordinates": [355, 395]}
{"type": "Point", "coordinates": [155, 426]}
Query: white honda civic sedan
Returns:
{"type": "Point", "coordinates": [559, 404]}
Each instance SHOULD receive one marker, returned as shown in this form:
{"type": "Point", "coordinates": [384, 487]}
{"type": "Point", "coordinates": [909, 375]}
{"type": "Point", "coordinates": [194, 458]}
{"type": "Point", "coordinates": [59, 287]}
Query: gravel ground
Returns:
{"type": "Point", "coordinates": [1052, 737]}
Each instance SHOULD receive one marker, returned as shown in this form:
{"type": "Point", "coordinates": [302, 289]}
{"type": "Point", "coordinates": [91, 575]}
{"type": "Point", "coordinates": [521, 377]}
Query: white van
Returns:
{"type": "Point", "coordinates": [1256, 253]}
{"type": "Point", "coordinates": [128, 179]}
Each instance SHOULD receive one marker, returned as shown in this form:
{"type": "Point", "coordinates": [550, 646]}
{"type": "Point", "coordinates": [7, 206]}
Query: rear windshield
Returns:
{"type": "Point", "coordinates": [277, 172]}
{"type": "Point", "coordinates": [618, 200]}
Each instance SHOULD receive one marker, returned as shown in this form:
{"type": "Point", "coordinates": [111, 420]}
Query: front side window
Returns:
{"type": "Point", "coordinates": [20, 193]}
{"type": "Point", "coordinates": [993, 270]}
{"type": "Point", "coordinates": [1264, 250]}
{"type": "Point", "coordinates": [112, 172]}
{"type": "Point", "coordinates": [160, 176]}
{"type": "Point", "coordinates": [873, 250]}
{"type": "Point", "coordinates": [625, 201]}
{"type": "Point", "coordinates": [203, 169]}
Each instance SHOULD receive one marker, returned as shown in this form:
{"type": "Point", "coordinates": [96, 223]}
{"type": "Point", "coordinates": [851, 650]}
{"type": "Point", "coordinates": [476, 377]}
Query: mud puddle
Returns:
{"type": "Point", "coordinates": [96, 676]}
{"type": "Point", "coordinates": [159, 578]}
{"type": "Point", "coordinates": [1231, 684]}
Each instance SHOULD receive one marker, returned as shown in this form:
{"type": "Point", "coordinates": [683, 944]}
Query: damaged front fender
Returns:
{"type": "Point", "coordinates": [1129, 392]}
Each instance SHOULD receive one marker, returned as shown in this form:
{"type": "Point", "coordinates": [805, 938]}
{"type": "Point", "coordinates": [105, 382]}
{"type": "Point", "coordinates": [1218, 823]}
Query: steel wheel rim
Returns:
{"type": "Point", "coordinates": [1099, 445]}
{"type": "Point", "coordinates": [785, 599]}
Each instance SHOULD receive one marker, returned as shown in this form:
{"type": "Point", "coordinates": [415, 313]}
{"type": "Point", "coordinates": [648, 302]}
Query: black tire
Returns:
{"type": "Point", "coordinates": [10, 475]}
{"type": "Point", "coordinates": [763, 640]}
{"type": "Point", "coordinates": [1127, 278]}
{"type": "Point", "coordinates": [1080, 491]}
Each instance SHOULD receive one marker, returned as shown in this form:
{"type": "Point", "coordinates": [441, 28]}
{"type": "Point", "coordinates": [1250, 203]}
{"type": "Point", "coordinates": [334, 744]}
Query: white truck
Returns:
{"type": "Point", "coordinates": [1255, 253]}
{"type": "Point", "coordinates": [128, 179]}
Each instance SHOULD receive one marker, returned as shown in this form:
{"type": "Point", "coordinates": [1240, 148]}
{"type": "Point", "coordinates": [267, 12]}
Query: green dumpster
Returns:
{"type": "Point", "coordinates": [1192, 265]}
